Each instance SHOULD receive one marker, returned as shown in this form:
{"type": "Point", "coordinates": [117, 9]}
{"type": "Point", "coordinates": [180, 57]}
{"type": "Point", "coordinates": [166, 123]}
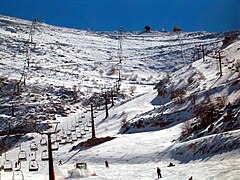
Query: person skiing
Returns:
{"type": "Point", "coordinates": [60, 162]}
{"type": "Point", "coordinates": [159, 172]}
{"type": "Point", "coordinates": [106, 164]}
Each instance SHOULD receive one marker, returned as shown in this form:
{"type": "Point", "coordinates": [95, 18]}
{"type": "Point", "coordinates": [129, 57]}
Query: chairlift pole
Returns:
{"type": "Point", "coordinates": [112, 97]}
{"type": "Point", "coordinates": [120, 44]}
{"type": "Point", "coordinates": [220, 63]}
{"type": "Point", "coordinates": [119, 74]}
{"type": "Point", "coordinates": [203, 52]}
{"type": "Point", "coordinates": [93, 128]}
{"type": "Point", "coordinates": [106, 105]}
{"type": "Point", "coordinates": [50, 161]}
{"type": "Point", "coordinates": [198, 54]}
{"type": "Point", "coordinates": [31, 30]}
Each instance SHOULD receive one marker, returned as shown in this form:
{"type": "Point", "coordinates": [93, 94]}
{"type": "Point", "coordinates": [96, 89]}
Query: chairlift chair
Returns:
{"type": "Point", "coordinates": [33, 165]}
{"type": "Point", "coordinates": [7, 166]}
{"type": "Point", "coordinates": [83, 132]}
{"type": "Point", "coordinates": [69, 133]}
{"type": "Point", "coordinates": [43, 141]}
{"type": "Point", "coordinates": [63, 141]}
{"type": "Point", "coordinates": [44, 156]}
{"type": "Point", "coordinates": [53, 138]}
{"type": "Point", "coordinates": [74, 137]}
{"type": "Point", "coordinates": [55, 146]}
{"type": "Point", "coordinates": [73, 128]}
{"type": "Point", "coordinates": [79, 135]}
{"type": "Point", "coordinates": [86, 128]}
{"type": "Point", "coordinates": [63, 131]}
{"type": "Point", "coordinates": [64, 136]}
{"type": "Point", "coordinates": [33, 146]}
{"type": "Point", "coordinates": [89, 124]}
{"type": "Point", "coordinates": [17, 175]}
{"type": "Point", "coordinates": [22, 155]}
{"type": "Point", "coordinates": [76, 124]}
{"type": "Point", "coordinates": [69, 139]}
{"type": "Point", "coordinates": [58, 138]}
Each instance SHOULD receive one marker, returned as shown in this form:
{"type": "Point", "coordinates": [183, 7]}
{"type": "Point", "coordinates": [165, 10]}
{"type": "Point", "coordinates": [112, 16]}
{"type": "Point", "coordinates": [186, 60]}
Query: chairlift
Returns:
{"type": "Point", "coordinates": [43, 141]}
{"type": "Point", "coordinates": [80, 119]}
{"type": "Point", "coordinates": [33, 165]}
{"type": "Point", "coordinates": [64, 136]}
{"type": "Point", "coordinates": [69, 133]}
{"type": "Point", "coordinates": [55, 146]}
{"type": "Point", "coordinates": [58, 139]}
{"type": "Point", "coordinates": [53, 138]}
{"type": "Point", "coordinates": [17, 175]}
{"type": "Point", "coordinates": [83, 132]}
{"type": "Point", "coordinates": [7, 166]}
{"type": "Point", "coordinates": [44, 156]}
{"type": "Point", "coordinates": [33, 146]}
{"type": "Point", "coordinates": [77, 124]}
{"type": "Point", "coordinates": [89, 124]}
{"type": "Point", "coordinates": [68, 129]}
{"type": "Point", "coordinates": [73, 129]}
{"type": "Point", "coordinates": [86, 128]}
{"type": "Point", "coordinates": [22, 155]}
{"type": "Point", "coordinates": [74, 137]}
{"type": "Point", "coordinates": [63, 131]}
{"type": "Point", "coordinates": [69, 139]}
{"type": "Point", "coordinates": [79, 135]}
{"type": "Point", "coordinates": [63, 141]}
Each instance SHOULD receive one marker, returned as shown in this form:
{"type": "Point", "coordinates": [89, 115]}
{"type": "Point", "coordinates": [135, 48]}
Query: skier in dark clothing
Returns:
{"type": "Point", "coordinates": [106, 164]}
{"type": "Point", "coordinates": [159, 173]}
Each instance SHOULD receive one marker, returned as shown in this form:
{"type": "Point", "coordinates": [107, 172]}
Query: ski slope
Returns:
{"type": "Point", "coordinates": [62, 59]}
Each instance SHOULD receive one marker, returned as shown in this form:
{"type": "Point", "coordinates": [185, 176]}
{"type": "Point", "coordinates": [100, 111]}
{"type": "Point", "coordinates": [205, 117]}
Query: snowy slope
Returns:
{"type": "Point", "coordinates": [68, 66]}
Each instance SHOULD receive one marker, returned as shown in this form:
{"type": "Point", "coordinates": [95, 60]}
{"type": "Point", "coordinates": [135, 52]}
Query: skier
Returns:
{"type": "Point", "coordinates": [106, 164]}
{"type": "Point", "coordinates": [60, 162]}
{"type": "Point", "coordinates": [159, 173]}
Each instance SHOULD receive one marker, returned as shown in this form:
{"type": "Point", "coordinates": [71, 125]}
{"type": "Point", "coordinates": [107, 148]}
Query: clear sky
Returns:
{"type": "Point", "coordinates": [109, 15]}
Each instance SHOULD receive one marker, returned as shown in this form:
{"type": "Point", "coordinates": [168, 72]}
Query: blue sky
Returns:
{"type": "Point", "coordinates": [109, 15]}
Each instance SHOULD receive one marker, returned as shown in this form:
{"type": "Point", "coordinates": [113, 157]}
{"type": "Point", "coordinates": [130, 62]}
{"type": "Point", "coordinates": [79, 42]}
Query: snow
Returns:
{"type": "Point", "coordinates": [63, 59]}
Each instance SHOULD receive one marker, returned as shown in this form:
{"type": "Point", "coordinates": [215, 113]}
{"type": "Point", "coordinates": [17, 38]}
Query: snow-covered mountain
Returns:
{"type": "Point", "coordinates": [173, 104]}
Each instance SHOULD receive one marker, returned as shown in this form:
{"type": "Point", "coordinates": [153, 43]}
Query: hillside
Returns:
{"type": "Point", "coordinates": [172, 103]}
